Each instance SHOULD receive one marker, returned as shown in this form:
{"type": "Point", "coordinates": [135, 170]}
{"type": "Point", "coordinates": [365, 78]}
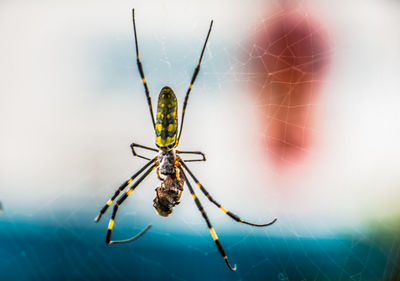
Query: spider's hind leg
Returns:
{"type": "Point", "coordinates": [121, 188]}
{"type": "Point", "coordinates": [210, 228]}
{"type": "Point", "coordinates": [118, 203]}
{"type": "Point", "coordinates": [232, 215]}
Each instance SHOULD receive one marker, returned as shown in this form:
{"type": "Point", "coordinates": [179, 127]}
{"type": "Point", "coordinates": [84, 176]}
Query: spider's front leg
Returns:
{"type": "Point", "coordinates": [203, 156]}
{"type": "Point", "coordinates": [133, 145]}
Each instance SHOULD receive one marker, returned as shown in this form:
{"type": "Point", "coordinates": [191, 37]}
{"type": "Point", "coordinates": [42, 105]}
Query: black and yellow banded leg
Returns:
{"type": "Point", "coordinates": [232, 215]}
{"type": "Point", "coordinates": [178, 168]}
{"type": "Point", "coordinates": [133, 145]}
{"type": "Point", "coordinates": [193, 152]}
{"type": "Point", "coordinates": [212, 231]}
{"type": "Point", "coordinates": [115, 210]}
{"type": "Point", "coordinates": [122, 187]}
{"type": "Point", "coordinates": [194, 76]}
{"type": "Point", "coordinates": [141, 72]}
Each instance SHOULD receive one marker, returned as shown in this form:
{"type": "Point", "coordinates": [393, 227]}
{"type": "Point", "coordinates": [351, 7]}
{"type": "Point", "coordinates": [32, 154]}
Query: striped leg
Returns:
{"type": "Point", "coordinates": [233, 216]}
{"type": "Point", "coordinates": [195, 73]}
{"type": "Point", "coordinates": [193, 152]}
{"type": "Point", "coordinates": [115, 210]}
{"type": "Point", "coordinates": [122, 187]}
{"type": "Point", "coordinates": [212, 231]}
{"type": "Point", "coordinates": [133, 145]}
{"type": "Point", "coordinates": [140, 68]}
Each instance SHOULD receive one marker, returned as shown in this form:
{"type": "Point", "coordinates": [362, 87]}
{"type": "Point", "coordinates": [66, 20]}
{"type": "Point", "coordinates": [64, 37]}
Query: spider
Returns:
{"type": "Point", "coordinates": [167, 162]}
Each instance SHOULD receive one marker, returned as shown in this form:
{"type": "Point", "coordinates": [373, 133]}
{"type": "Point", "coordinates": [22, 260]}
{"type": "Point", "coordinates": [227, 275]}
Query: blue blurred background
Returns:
{"type": "Point", "coordinates": [72, 101]}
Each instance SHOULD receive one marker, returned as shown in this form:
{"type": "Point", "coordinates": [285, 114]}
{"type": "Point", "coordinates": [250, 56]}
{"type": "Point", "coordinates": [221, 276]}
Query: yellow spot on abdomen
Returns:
{"type": "Point", "coordinates": [159, 141]}
{"type": "Point", "coordinates": [171, 127]}
{"type": "Point", "coordinates": [170, 140]}
{"type": "Point", "coordinates": [109, 202]}
{"type": "Point", "coordinates": [159, 127]}
{"type": "Point", "coordinates": [223, 209]}
{"type": "Point", "coordinates": [129, 191]}
{"type": "Point", "coordinates": [129, 181]}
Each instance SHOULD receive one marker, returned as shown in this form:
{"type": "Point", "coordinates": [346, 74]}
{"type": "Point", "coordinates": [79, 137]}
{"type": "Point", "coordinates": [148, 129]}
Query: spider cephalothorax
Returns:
{"type": "Point", "coordinates": [167, 162]}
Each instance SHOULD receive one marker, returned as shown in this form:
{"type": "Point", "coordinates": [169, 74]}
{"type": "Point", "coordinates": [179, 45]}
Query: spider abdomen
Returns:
{"type": "Point", "coordinates": [167, 120]}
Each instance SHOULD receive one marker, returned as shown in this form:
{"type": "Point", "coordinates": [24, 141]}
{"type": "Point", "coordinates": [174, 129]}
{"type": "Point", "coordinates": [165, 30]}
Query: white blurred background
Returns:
{"type": "Point", "coordinates": [72, 101]}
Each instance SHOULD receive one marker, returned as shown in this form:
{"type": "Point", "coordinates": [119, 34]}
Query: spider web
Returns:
{"type": "Point", "coordinates": [72, 102]}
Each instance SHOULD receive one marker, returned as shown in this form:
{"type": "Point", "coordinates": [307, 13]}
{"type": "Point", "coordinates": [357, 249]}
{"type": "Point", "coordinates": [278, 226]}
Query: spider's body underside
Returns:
{"type": "Point", "coordinates": [167, 161]}
{"type": "Point", "coordinates": [171, 168]}
{"type": "Point", "coordinates": [170, 191]}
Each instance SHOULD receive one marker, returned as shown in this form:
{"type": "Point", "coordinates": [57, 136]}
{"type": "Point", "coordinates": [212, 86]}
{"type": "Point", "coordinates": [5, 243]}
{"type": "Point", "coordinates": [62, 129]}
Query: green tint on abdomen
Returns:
{"type": "Point", "coordinates": [167, 121]}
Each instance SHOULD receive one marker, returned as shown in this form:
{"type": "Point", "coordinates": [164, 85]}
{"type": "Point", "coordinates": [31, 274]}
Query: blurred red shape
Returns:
{"type": "Point", "coordinates": [289, 57]}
